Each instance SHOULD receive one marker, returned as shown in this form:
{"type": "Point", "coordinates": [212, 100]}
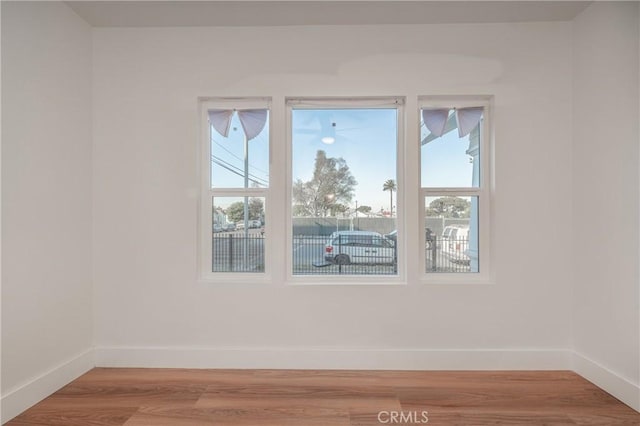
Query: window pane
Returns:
{"type": "Point", "coordinates": [344, 191]}
{"type": "Point", "coordinates": [228, 166]}
{"type": "Point", "coordinates": [451, 234]}
{"type": "Point", "coordinates": [238, 234]}
{"type": "Point", "coordinates": [449, 161]}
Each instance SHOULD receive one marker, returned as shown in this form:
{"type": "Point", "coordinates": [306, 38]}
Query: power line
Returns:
{"type": "Point", "coordinates": [235, 156]}
{"type": "Point", "coordinates": [238, 169]}
{"type": "Point", "coordinates": [235, 170]}
{"type": "Point", "coordinates": [239, 174]}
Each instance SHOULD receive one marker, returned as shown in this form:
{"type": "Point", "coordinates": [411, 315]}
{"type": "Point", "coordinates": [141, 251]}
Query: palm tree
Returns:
{"type": "Point", "coordinates": [390, 185]}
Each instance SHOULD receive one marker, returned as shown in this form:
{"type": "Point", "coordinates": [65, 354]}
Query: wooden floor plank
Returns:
{"type": "Point", "coordinates": [49, 414]}
{"type": "Point", "coordinates": [223, 417]}
{"type": "Point", "coordinates": [466, 418]}
{"type": "Point", "coordinates": [176, 397]}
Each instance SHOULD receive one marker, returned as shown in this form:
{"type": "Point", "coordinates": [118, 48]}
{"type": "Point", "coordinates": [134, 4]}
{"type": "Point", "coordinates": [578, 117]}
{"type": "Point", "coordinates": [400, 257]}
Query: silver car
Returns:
{"type": "Point", "coordinates": [345, 247]}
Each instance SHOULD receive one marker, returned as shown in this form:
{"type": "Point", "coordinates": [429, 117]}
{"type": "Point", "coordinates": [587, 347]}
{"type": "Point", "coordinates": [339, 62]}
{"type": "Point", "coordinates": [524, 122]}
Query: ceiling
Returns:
{"type": "Point", "coordinates": [284, 13]}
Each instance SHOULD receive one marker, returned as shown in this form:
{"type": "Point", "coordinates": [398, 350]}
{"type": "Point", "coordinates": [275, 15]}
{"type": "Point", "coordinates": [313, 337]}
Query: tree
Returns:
{"type": "Point", "coordinates": [256, 209]}
{"type": "Point", "coordinates": [390, 185]}
{"type": "Point", "coordinates": [338, 208]}
{"type": "Point", "coordinates": [332, 185]}
{"type": "Point", "coordinates": [235, 211]}
{"type": "Point", "coordinates": [454, 207]}
{"type": "Point", "coordinates": [364, 209]}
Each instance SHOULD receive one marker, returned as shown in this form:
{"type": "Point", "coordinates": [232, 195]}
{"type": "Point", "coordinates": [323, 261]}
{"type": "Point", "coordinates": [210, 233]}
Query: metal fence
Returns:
{"type": "Point", "coordinates": [353, 255]}
{"type": "Point", "coordinates": [327, 225]}
{"type": "Point", "coordinates": [383, 225]}
{"type": "Point", "coordinates": [237, 252]}
{"type": "Point", "coordinates": [447, 255]}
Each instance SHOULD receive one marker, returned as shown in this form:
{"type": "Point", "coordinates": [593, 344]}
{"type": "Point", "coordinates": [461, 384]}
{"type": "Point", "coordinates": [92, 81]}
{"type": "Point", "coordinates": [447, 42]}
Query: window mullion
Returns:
{"type": "Point", "coordinates": [239, 192]}
{"type": "Point", "coordinates": [434, 192]}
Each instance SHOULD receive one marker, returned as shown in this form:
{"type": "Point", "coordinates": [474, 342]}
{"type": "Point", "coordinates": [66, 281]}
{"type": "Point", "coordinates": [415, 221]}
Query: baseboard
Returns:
{"type": "Point", "coordinates": [322, 358]}
{"type": "Point", "coordinates": [24, 396]}
{"type": "Point", "coordinates": [618, 386]}
{"type": "Point", "coordinates": [19, 399]}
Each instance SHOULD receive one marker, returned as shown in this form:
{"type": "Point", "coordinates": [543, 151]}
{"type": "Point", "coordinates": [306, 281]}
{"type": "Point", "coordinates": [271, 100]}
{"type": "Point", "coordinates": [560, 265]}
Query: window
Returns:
{"type": "Point", "coordinates": [454, 175]}
{"type": "Point", "coordinates": [235, 185]}
{"type": "Point", "coordinates": [345, 191]}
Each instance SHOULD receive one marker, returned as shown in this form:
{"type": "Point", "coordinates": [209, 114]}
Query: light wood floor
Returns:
{"type": "Point", "coordinates": [162, 397]}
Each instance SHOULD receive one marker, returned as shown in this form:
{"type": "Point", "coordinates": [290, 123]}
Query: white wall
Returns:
{"type": "Point", "coordinates": [46, 200]}
{"type": "Point", "coordinates": [148, 307]}
{"type": "Point", "coordinates": [606, 323]}
{"type": "Point", "coordinates": [146, 84]}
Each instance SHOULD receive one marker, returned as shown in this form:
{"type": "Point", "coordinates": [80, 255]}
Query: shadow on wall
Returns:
{"type": "Point", "coordinates": [447, 70]}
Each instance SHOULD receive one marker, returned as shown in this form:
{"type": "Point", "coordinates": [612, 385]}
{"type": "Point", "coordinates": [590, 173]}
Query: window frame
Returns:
{"type": "Point", "coordinates": [364, 102]}
{"type": "Point", "coordinates": [207, 193]}
{"type": "Point", "coordinates": [483, 191]}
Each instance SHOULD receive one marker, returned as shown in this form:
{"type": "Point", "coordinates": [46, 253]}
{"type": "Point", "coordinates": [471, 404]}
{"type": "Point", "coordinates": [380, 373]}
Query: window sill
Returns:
{"type": "Point", "coordinates": [456, 279]}
{"type": "Point", "coordinates": [324, 281]}
{"type": "Point", "coordinates": [234, 279]}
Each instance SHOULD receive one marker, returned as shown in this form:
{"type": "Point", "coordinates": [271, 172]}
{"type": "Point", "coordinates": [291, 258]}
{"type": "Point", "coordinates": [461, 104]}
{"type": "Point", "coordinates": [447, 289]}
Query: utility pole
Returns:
{"type": "Point", "coordinates": [357, 220]}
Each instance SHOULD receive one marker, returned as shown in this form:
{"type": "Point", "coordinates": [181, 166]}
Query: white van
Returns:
{"type": "Point", "coordinates": [455, 243]}
{"type": "Point", "coordinates": [345, 247]}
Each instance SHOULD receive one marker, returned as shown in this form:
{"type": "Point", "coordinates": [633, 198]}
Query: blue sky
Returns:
{"type": "Point", "coordinates": [445, 162]}
{"type": "Point", "coordinates": [365, 138]}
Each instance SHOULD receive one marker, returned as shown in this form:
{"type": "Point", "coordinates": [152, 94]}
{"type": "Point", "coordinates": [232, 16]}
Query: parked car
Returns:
{"type": "Point", "coordinates": [240, 226]}
{"type": "Point", "coordinates": [455, 243]}
{"type": "Point", "coordinates": [229, 227]}
{"type": "Point", "coordinates": [254, 224]}
{"type": "Point", "coordinates": [346, 247]}
{"type": "Point", "coordinates": [446, 232]}
{"type": "Point", "coordinates": [217, 228]}
{"type": "Point", "coordinates": [393, 236]}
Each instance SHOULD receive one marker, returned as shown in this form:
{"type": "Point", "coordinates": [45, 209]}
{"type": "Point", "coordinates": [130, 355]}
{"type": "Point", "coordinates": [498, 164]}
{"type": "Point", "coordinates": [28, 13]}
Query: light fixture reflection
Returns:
{"type": "Point", "coordinates": [328, 140]}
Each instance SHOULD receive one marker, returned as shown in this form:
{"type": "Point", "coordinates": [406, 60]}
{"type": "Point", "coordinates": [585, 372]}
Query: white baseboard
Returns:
{"type": "Point", "coordinates": [618, 386]}
{"type": "Point", "coordinates": [24, 396]}
{"type": "Point", "coordinates": [322, 358]}
{"type": "Point", "coordinates": [19, 399]}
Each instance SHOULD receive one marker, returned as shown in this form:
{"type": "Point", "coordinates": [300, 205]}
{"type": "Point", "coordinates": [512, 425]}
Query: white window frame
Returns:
{"type": "Point", "coordinates": [207, 193]}
{"type": "Point", "coordinates": [483, 192]}
{"type": "Point", "coordinates": [386, 102]}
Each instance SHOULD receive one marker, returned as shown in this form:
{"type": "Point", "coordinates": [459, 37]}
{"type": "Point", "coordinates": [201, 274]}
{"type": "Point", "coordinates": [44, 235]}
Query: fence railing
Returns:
{"type": "Point", "coordinates": [345, 255]}
{"type": "Point", "coordinates": [447, 255]}
{"type": "Point", "coordinates": [237, 252]}
{"type": "Point", "coordinates": [383, 225]}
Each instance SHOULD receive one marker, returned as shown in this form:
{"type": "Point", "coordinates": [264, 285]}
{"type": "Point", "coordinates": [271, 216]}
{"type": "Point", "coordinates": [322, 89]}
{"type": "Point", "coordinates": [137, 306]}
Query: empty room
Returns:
{"type": "Point", "coordinates": [329, 213]}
